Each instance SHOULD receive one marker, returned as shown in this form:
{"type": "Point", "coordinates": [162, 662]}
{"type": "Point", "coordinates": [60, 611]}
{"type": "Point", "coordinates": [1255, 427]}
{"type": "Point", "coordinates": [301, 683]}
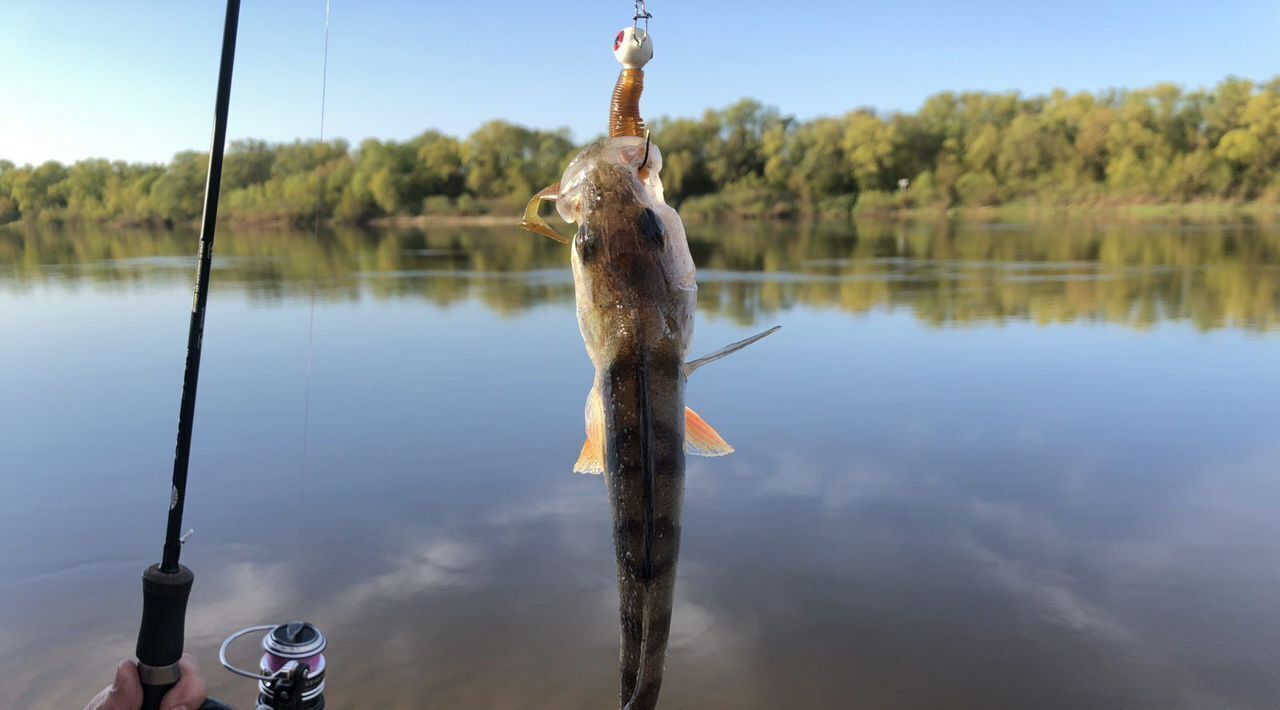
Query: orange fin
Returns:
{"type": "Point", "coordinates": [591, 460]}
{"type": "Point", "coordinates": [702, 440]}
{"type": "Point", "coordinates": [534, 222]}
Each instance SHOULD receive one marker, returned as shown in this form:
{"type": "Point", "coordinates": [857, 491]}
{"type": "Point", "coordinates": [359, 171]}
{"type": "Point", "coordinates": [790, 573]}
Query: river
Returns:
{"type": "Point", "coordinates": [982, 465]}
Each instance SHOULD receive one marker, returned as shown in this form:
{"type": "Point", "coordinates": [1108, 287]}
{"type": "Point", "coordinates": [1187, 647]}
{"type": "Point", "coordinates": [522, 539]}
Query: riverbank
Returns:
{"type": "Point", "coordinates": [1013, 212]}
{"type": "Point", "coordinates": [444, 220]}
{"type": "Point", "coordinates": [1025, 212]}
{"type": "Point", "coordinates": [1031, 212]}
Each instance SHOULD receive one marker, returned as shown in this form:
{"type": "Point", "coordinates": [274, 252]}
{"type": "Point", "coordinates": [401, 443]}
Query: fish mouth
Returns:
{"type": "Point", "coordinates": [631, 154]}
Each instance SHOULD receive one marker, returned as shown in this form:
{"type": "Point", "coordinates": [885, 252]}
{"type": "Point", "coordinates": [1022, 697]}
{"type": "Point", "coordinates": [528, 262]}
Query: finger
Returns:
{"type": "Point", "coordinates": [124, 693]}
{"type": "Point", "coordinates": [127, 686]}
{"type": "Point", "coordinates": [102, 700]}
{"type": "Point", "coordinates": [191, 691]}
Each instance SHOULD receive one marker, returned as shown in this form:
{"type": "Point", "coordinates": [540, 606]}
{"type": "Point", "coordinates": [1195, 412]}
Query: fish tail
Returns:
{"type": "Point", "coordinates": [658, 604]}
{"type": "Point", "coordinates": [628, 410]}
{"type": "Point", "coordinates": [645, 473]}
{"type": "Point", "coordinates": [631, 629]}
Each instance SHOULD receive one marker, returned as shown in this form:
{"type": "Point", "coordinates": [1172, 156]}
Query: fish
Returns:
{"type": "Point", "coordinates": [635, 290]}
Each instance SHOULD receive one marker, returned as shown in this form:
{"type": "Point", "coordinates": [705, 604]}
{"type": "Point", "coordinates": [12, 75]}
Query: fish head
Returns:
{"type": "Point", "coordinates": [637, 156]}
{"type": "Point", "coordinates": [633, 274]}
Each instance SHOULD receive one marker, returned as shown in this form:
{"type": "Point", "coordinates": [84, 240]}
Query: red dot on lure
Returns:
{"type": "Point", "coordinates": [618, 42]}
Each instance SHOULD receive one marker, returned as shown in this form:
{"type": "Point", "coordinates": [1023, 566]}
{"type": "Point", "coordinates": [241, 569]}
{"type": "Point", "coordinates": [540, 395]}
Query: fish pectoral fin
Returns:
{"type": "Point", "coordinates": [591, 460]}
{"type": "Point", "coordinates": [534, 222]}
{"type": "Point", "coordinates": [692, 366]}
{"type": "Point", "coordinates": [700, 439]}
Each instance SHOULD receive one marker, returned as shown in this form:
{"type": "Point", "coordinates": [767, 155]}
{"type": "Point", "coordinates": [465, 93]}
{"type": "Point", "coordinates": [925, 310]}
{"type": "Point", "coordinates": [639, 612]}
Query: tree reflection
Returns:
{"type": "Point", "coordinates": [945, 273]}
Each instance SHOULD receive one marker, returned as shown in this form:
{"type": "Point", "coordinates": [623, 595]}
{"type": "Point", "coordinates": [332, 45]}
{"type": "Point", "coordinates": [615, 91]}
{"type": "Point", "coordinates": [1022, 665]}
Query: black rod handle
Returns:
{"type": "Point", "coordinates": [160, 638]}
{"type": "Point", "coordinates": [153, 694]}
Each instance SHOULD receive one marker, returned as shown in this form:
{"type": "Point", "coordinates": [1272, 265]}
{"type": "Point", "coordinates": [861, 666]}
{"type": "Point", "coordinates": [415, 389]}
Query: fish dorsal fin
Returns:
{"type": "Point", "coordinates": [692, 366]}
{"type": "Point", "coordinates": [700, 439]}
{"type": "Point", "coordinates": [591, 460]}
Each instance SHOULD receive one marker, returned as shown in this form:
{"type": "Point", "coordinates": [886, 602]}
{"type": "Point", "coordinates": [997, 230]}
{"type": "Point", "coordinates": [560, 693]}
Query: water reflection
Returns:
{"type": "Point", "coordinates": [945, 273]}
{"type": "Point", "coordinates": [997, 515]}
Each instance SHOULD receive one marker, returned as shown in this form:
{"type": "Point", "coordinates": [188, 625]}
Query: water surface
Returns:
{"type": "Point", "coordinates": [981, 466]}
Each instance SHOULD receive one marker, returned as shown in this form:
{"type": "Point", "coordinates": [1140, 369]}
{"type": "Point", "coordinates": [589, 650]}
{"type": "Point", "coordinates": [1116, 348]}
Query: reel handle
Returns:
{"type": "Point", "coordinates": [160, 637]}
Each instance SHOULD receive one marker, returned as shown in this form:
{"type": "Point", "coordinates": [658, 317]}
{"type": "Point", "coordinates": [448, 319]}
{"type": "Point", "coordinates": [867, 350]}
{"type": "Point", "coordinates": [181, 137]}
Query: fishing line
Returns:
{"type": "Point", "coordinates": [315, 248]}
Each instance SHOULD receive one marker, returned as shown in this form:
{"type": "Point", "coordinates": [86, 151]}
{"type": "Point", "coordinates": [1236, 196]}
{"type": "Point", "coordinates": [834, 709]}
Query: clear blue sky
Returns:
{"type": "Point", "coordinates": [134, 79]}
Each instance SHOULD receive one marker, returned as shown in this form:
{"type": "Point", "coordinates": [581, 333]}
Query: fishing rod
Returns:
{"type": "Point", "coordinates": [166, 587]}
{"type": "Point", "coordinates": [292, 669]}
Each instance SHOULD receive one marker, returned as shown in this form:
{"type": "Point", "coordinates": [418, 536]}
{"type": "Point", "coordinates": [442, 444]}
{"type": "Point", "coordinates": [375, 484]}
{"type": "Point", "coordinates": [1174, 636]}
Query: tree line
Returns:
{"type": "Point", "coordinates": [972, 149]}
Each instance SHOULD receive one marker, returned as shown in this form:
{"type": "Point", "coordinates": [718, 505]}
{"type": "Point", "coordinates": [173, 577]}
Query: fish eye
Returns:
{"type": "Point", "coordinates": [653, 228]}
{"type": "Point", "coordinates": [585, 242]}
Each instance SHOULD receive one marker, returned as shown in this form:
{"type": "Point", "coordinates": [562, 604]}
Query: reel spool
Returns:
{"type": "Point", "coordinates": [292, 668]}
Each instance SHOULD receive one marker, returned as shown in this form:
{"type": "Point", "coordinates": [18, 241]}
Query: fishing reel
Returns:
{"type": "Point", "coordinates": [291, 671]}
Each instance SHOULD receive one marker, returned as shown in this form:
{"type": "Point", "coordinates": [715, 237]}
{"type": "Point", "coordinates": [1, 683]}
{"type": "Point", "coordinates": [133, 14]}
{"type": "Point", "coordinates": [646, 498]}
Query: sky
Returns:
{"type": "Point", "coordinates": [134, 79]}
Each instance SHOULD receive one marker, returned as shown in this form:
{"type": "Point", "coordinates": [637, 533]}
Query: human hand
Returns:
{"type": "Point", "coordinates": [125, 692]}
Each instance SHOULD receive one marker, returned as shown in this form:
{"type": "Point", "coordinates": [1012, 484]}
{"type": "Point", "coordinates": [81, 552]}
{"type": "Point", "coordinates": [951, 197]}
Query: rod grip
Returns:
{"type": "Point", "coordinates": [160, 637]}
{"type": "Point", "coordinates": [153, 694]}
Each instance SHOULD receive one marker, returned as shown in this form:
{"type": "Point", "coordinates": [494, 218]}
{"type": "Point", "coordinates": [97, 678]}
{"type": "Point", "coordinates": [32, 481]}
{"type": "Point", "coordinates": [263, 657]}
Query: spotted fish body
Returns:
{"type": "Point", "coordinates": [636, 293]}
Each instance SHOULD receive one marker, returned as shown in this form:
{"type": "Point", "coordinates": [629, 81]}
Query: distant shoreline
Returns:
{"type": "Point", "coordinates": [444, 220]}
{"type": "Point", "coordinates": [1014, 212]}
{"type": "Point", "coordinates": [1206, 210]}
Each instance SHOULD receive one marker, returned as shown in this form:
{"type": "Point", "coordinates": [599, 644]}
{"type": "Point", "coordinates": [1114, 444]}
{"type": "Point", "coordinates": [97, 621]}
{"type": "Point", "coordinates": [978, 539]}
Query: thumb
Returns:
{"type": "Point", "coordinates": [127, 687]}
{"type": "Point", "coordinates": [124, 693]}
{"type": "Point", "coordinates": [190, 692]}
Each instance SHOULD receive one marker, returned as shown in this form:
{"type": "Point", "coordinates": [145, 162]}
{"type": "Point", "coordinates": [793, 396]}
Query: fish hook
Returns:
{"type": "Point", "coordinates": [648, 141]}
